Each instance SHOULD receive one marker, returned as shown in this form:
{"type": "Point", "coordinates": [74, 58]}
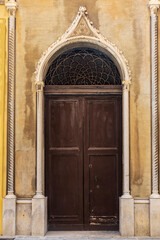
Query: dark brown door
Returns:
{"type": "Point", "coordinates": [83, 161]}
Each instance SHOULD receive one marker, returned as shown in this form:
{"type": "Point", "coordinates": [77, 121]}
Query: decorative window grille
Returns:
{"type": "Point", "coordinates": [83, 66]}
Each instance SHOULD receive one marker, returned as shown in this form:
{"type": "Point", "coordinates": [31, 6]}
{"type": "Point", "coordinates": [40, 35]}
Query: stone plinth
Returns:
{"type": "Point", "coordinates": [155, 217]}
{"type": "Point", "coordinates": [39, 216]}
{"type": "Point", "coordinates": [126, 208]}
{"type": "Point", "coordinates": [9, 216]}
{"type": "Point", "coordinates": [141, 217]}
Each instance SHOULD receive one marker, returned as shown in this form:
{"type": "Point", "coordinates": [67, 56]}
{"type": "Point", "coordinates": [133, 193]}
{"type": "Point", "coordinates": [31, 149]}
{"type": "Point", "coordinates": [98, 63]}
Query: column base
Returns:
{"type": "Point", "coordinates": [9, 215]}
{"type": "Point", "coordinates": [126, 214]}
{"type": "Point", "coordinates": [155, 215]}
{"type": "Point", "coordinates": [39, 216]}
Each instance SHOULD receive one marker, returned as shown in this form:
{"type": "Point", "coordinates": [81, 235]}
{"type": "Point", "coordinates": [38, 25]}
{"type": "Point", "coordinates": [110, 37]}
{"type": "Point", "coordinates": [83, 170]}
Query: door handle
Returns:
{"type": "Point", "coordinates": [96, 179]}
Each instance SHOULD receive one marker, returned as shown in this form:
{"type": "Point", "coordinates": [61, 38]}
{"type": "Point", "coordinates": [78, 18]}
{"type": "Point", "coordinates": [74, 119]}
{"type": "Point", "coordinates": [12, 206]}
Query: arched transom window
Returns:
{"type": "Point", "coordinates": [83, 66]}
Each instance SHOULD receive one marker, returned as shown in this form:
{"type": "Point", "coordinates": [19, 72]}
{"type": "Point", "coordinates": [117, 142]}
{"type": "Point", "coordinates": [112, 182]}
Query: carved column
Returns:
{"type": "Point", "coordinates": [40, 139]}
{"type": "Point", "coordinates": [155, 197]}
{"type": "Point", "coordinates": [126, 201]}
{"type": "Point", "coordinates": [9, 220]}
{"type": "Point", "coordinates": [154, 5]}
{"type": "Point", "coordinates": [39, 201]}
{"type": "Point", "coordinates": [126, 191]}
{"type": "Point", "coordinates": [11, 6]}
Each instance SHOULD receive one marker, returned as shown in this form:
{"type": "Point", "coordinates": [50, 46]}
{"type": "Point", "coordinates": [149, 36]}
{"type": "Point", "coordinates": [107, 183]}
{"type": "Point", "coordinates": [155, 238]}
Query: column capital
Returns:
{"type": "Point", "coordinates": [154, 6]}
{"type": "Point", "coordinates": [126, 84]}
{"type": "Point", "coordinates": [11, 6]}
{"type": "Point", "coordinates": [39, 86]}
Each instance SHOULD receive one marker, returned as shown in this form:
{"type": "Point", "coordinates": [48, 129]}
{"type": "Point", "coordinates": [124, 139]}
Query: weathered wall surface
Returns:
{"type": "Point", "coordinates": [125, 23]}
{"type": "Point", "coordinates": [3, 105]}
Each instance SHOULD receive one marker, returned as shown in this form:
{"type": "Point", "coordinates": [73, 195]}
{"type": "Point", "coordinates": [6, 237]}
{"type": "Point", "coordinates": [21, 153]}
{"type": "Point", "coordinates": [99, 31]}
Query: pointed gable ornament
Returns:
{"type": "Point", "coordinates": [82, 28]}
{"type": "Point", "coordinates": [81, 25]}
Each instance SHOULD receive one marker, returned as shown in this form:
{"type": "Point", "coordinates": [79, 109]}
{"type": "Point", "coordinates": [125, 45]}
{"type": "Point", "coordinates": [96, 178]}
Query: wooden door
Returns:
{"type": "Point", "coordinates": [64, 162]}
{"type": "Point", "coordinates": [102, 162]}
{"type": "Point", "coordinates": [83, 161]}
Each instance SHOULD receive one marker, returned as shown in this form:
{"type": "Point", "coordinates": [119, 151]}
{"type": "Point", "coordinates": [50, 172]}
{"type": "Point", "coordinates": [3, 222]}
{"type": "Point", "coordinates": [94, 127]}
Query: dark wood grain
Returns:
{"type": "Point", "coordinates": [83, 161]}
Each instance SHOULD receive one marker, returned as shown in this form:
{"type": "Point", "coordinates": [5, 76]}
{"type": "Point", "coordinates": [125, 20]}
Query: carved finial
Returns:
{"type": "Point", "coordinates": [154, 6]}
{"type": "Point", "coordinates": [83, 10]}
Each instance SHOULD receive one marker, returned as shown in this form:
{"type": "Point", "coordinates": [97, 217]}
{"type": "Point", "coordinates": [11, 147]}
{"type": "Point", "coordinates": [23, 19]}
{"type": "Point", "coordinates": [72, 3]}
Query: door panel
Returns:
{"type": "Point", "coordinates": [102, 123]}
{"type": "Point", "coordinates": [102, 161]}
{"type": "Point", "coordinates": [83, 161]}
{"type": "Point", "coordinates": [103, 189]}
{"type": "Point", "coordinates": [63, 122]}
{"type": "Point", "coordinates": [65, 180]}
{"type": "Point", "coordinates": [64, 154]}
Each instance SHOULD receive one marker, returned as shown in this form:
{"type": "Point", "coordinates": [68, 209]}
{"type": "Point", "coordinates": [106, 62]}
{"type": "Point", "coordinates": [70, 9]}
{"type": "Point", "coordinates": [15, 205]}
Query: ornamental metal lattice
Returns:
{"type": "Point", "coordinates": [83, 66]}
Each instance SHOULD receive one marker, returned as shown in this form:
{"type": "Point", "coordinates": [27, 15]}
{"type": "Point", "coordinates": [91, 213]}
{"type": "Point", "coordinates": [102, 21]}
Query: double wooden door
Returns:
{"type": "Point", "coordinates": [83, 161]}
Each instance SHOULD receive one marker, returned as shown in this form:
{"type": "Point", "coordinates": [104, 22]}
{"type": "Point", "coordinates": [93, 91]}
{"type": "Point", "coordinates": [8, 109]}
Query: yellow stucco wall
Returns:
{"type": "Point", "coordinates": [3, 106]}
{"type": "Point", "coordinates": [125, 23]}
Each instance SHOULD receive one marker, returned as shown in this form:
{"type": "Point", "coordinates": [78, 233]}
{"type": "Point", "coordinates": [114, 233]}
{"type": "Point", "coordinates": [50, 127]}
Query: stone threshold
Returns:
{"type": "Point", "coordinates": [77, 235]}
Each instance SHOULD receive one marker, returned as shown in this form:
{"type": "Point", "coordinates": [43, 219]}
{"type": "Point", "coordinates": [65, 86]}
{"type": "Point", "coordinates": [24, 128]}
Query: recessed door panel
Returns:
{"type": "Point", "coordinates": [102, 123]}
{"type": "Point", "coordinates": [103, 189]}
{"type": "Point", "coordinates": [64, 191]}
{"type": "Point", "coordinates": [63, 122]}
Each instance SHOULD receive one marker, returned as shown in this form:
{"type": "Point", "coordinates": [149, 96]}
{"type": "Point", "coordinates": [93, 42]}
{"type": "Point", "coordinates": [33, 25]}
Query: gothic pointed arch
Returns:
{"type": "Point", "coordinates": [82, 33]}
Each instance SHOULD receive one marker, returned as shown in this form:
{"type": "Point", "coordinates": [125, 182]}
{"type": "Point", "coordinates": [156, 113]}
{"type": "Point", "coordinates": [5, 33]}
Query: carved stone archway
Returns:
{"type": "Point", "coordinates": [81, 33]}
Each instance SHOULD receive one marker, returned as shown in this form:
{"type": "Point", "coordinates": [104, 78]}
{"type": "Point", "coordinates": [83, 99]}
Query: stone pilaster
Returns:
{"type": "Point", "coordinates": [126, 191]}
{"type": "Point", "coordinates": [126, 201]}
{"type": "Point", "coordinates": [155, 197]}
{"type": "Point", "coordinates": [39, 201]}
{"type": "Point", "coordinates": [9, 205]}
{"type": "Point", "coordinates": [40, 139]}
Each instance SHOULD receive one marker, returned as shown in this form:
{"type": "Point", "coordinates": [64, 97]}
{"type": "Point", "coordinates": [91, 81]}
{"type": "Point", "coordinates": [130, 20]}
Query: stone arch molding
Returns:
{"type": "Point", "coordinates": [81, 33]}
